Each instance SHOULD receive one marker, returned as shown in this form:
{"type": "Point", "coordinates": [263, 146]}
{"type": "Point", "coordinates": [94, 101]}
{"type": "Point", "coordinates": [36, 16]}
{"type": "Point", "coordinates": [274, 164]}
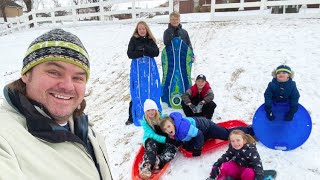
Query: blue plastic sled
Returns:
{"type": "Point", "coordinates": [176, 65]}
{"type": "Point", "coordinates": [144, 84]}
{"type": "Point", "coordinates": [280, 134]}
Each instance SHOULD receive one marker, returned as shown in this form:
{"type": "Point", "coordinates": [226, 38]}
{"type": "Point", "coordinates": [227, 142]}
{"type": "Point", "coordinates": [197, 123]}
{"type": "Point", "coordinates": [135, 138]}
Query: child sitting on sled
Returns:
{"type": "Point", "coordinates": [198, 99]}
{"type": "Point", "coordinates": [241, 160]}
{"type": "Point", "coordinates": [159, 148]}
{"type": "Point", "coordinates": [193, 131]}
{"type": "Point", "coordinates": [282, 89]}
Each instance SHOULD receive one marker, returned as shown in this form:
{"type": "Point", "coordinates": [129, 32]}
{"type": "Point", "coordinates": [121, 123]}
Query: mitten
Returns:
{"type": "Point", "coordinates": [199, 107]}
{"type": "Point", "coordinates": [214, 172]}
{"type": "Point", "coordinates": [289, 116]}
{"type": "Point", "coordinates": [270, 115]}
{"type": "Point", "coordinates": [193, 108]}
{"type": "Point", "coordinates": [193, 59]}
{"type": "Point", "coordinates": [173, 142]}
{"type": "Point", "coordinates": [196, 152]}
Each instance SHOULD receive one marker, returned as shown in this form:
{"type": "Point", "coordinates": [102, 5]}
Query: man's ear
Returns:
{"type": "Point", "coordinates": [26, 77]}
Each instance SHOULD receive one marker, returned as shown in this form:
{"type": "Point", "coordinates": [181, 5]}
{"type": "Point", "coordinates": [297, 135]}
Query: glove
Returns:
{"type": "Point", "coordinates": [193, 59]}
{"type": "Point", "coordinates": [193, 108]}
{"type": "Point", "coordinates": [214, 172]}
{"type": "Point", "coordinates": [270, 115]}
{"type": "Point", "coordinates": [258, 177]}
{"type": "Point", "coordinates": [289, 116]}
{"type": "Point", "coordinates": [196, 152]}
{"type": "Point", "coordinates": [199, 107]}
{"type": "Point", "coordinates": [173, 142]}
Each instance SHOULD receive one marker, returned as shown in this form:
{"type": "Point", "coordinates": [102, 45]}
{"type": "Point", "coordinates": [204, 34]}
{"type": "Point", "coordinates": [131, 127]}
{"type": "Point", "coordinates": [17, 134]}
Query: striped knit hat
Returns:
{"type": "Point", "coordinates": [56, 45]}
{"type": "Point", "coordinates": [283, 68]}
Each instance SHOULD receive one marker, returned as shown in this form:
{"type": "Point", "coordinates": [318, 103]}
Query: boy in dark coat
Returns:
{"type": "Point", "coordinates": [175, 30]}
{"type": "Point", "coordinates": [198, 100]}
{"type": "Point", "coordinates": [282, 89]}
{"type": "Point", "coordinates": [193, 131]}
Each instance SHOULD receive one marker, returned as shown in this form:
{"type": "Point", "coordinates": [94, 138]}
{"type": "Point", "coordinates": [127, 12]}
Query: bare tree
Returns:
{"type": "Point", "coordinates": [29, 8]}
{"type": "Point", "coordinates": [3, 4]}
{"type": "Point", "coordinates": [97, 8]}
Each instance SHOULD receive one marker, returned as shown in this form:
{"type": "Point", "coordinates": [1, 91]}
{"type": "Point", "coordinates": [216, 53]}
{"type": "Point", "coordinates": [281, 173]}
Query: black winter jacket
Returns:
{"type": "Point", "coordinates": [142, 46]}
{"type": "Point", "coordinates": [172, 32]}
{"type": "Point", "coordinates": [247, 156]}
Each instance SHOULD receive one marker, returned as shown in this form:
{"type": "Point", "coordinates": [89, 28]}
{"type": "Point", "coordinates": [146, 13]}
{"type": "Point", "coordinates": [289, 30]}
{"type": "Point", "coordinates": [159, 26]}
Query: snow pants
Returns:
{"type": "Point", "coordinates": [166, 152]}
{"type": "Point", "coordinates": [235, 171]}
{"type": "Point", "coordinates": [207, 110]}
{"type": "Point", "coordinates": [208, 129]}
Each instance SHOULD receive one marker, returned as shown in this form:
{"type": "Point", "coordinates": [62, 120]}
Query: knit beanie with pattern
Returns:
{"type": "Point", "coordinates": [56, 45]}
{"type": "Point", "coordinates": [283, 68]}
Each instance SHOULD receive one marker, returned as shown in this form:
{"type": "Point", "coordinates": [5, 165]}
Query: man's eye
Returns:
{"type": "Point", "coordinates": [54, 73]}
{"type": "Point", "coordinates": [79, 78]}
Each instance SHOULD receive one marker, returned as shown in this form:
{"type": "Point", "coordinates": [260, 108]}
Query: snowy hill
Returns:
{"type": "Point", "coordinates": [236, 56]}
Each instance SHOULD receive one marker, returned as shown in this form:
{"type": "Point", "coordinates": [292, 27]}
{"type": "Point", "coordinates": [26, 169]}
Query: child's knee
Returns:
{"type": "Point", "coordinates": [248, 174]}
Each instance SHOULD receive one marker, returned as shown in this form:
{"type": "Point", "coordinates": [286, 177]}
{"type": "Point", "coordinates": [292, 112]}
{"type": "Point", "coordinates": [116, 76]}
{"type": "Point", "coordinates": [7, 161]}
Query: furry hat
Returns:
{"type": "Point", "coordinates": [283, 68]}
{"type": "Point", "coordinates": [149, 104]}
{"type": "Point", "coordinates": [56, 45]}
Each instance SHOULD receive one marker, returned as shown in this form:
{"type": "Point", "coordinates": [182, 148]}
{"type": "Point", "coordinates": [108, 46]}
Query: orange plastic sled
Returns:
{"type": "Point", "coordinates": [211, 144]}
{"type": "Point", "coordinates": [135, 167]}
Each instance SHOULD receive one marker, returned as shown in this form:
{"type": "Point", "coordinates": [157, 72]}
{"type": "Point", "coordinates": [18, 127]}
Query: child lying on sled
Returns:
{"type": "Point", "coordinates": [193, 131]}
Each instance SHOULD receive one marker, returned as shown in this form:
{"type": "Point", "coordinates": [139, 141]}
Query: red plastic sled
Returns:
{"type": "Point", "coordinates": [135, 167]}
{"type": "Point", "coordinates": [211, 144]}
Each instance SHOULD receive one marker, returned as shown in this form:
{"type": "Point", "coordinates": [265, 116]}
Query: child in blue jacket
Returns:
{"type": "Point", "coordinates": [282, 89]}
{"type": "Point", "coordinates": [159, 148]}
{"type": "Point", "coordinates": [193, 131]}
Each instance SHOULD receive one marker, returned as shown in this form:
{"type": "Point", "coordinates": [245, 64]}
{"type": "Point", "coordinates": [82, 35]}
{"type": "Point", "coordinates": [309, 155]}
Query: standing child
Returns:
{"type": "Point", "coordinates": [282, 89]}
{"type": "Point", "coordinates": [193, 131]}
{"type": "Point", "coordinates": [175, 30]}
{"type": "Point", "coordinates": [155, 141]}
{"type": "Point", "coordinates": [241, 160]}
{"type": "Point", "coordinates": [198, 100]}
{"type": "Point", "coordinates": [142, 43]}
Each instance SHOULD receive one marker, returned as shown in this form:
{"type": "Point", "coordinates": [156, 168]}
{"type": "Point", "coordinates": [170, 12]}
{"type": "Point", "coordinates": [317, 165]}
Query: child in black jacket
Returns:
{"type": "Point", "coordinates": [142, 43]}
{"type": "Point", "coordinates": [241, 160]}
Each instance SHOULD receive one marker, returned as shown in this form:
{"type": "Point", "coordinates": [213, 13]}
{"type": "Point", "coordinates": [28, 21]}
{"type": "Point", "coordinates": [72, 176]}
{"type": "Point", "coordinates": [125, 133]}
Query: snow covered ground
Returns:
{"type": "Point", "coordinates": [236, 56]}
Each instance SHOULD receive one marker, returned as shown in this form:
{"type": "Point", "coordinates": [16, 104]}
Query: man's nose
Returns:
{"type": "Point", "coordinates": [66, 84]}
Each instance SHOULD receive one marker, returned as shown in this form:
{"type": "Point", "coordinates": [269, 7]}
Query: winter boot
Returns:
{"type": "Point", "coordinates": [129, 121]}
{"type": "Point", "coordinates": [145, 171]}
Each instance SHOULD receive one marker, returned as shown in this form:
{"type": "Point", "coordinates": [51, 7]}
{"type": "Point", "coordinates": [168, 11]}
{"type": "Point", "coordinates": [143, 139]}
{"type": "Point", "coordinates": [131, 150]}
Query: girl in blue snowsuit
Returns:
{"type": "Point", "coordinates": [193, 131]}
